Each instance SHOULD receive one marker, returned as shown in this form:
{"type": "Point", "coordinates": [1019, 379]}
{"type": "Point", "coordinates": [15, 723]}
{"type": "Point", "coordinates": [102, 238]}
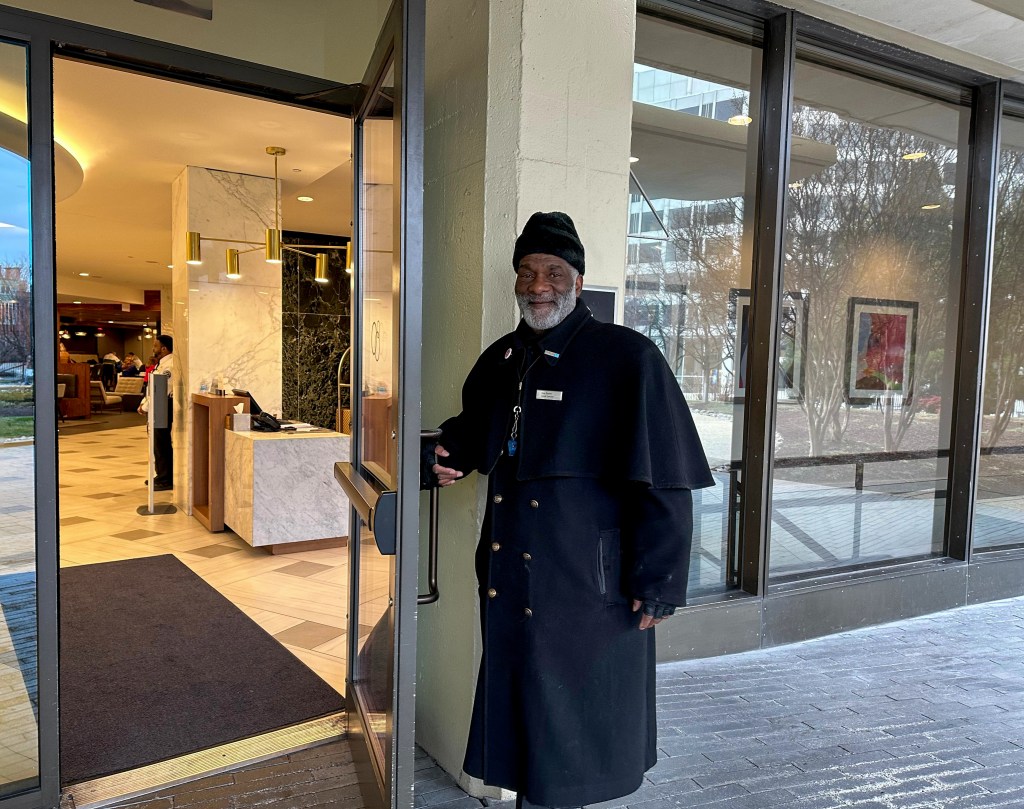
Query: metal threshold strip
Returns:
{"type": "Point", "coordinates": [133, 783]}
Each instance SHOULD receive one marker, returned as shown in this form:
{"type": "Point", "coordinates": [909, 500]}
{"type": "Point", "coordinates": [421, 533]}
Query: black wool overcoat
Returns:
{"type": "Point", "coordinates": [591, 511]}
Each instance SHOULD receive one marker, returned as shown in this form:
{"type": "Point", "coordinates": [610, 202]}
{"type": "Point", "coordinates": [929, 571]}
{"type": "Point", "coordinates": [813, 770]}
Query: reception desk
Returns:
{"type": "Point", "coordinates": [280, 492]}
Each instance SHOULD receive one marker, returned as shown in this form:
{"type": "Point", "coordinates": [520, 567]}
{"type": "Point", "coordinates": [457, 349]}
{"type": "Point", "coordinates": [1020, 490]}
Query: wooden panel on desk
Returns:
{"type": "Point", "coordinates": [378, 446]}
{"type": "Point", "coordinates": [77, 406]}
{"type": "Point", "coordinates": [208, 416]}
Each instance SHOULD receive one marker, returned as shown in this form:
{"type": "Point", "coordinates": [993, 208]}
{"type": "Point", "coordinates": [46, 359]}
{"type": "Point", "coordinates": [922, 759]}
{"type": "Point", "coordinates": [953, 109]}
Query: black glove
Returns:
{"type": "Point", "coordinates": [656, 609]}
{"type": "Point", "coordinates": [428, 479]}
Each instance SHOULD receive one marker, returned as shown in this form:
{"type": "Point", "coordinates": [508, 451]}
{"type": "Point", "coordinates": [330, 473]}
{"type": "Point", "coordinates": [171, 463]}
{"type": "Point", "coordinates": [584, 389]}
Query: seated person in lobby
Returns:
{"type": "Point", "coordinates": [134, 360]}
{"type": "Point", "coordinates": [128, 368]}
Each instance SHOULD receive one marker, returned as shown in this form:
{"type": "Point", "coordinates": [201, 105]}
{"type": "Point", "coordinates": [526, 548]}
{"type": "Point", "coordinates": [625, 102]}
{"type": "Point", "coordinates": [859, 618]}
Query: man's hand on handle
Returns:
{"type": "Point", "coordinates": [653, 614]}
{"type": "Point", "coordinates": [445, 475]}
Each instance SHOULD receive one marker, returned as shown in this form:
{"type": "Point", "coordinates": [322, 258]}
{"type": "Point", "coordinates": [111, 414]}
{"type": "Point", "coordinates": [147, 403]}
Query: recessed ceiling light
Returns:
{"type": "Point", "coordinates": [84, 274]}
{"type": "Point", "coordinates": [914, 155]}
{"type": "Point", "coordinates": [304, 199]}
{"type": "Point", "coordinates": [930, 207]}
{"type": "Point", "coordinates": [634, 159]}
{"type": "Point", "coordinates": [76, 301]}
{"type": "Point", "coordinates": [740, 120]}
{"type": "Point", "coordinates": [110, 321]}
{"type": "Point", "coordinates": [170, 266]}
{"type": "Point", "coordinates": [79, 334]}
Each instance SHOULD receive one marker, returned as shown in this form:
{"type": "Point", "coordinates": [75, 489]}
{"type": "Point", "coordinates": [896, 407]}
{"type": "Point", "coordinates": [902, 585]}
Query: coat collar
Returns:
{"type": "Point", "coordinates": [554, 342]}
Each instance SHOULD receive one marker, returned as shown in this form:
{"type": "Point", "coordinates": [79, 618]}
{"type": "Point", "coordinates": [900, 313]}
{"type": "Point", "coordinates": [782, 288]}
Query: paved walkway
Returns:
{"type": "Point", "coordinates": [925, 713]}
{"type": "Point", "coordinates": [921, 714]}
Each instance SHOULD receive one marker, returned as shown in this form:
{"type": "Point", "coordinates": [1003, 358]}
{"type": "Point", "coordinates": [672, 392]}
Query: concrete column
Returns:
{"type": "Point", "coordinates": [528, 108]}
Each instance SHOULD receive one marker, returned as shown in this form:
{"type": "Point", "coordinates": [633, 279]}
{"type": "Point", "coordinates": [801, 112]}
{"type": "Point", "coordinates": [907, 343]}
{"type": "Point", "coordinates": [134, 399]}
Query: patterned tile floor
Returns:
{"type": "Point", "coordinates": [299, 598]}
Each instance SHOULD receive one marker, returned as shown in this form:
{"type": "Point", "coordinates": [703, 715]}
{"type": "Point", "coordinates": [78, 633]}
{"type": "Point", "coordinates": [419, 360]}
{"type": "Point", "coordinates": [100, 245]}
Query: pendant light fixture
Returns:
{"type": "Point", "coordinates": [272, 244]}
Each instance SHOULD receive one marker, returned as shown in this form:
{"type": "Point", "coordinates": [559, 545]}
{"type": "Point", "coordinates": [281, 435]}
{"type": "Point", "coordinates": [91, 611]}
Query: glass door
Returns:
{"type": "Point", "coordinates": [382, 480]}
{"type": "Point", "coordinates": [29, 401]}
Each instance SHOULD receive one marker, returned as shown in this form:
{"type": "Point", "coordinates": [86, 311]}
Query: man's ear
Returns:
{"type": "Point", "coordinates": [579, 285]}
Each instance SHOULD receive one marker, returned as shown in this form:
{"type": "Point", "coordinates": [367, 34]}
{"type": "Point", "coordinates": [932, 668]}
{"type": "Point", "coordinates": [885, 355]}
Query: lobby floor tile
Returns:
{"type": "Point", "coordinates": [309, 634]}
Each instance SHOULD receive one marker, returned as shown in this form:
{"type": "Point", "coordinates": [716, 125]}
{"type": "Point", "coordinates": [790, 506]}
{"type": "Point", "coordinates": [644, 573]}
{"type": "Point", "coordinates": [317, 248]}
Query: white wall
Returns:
{"type": "Point", "coordinates": [528, 108]}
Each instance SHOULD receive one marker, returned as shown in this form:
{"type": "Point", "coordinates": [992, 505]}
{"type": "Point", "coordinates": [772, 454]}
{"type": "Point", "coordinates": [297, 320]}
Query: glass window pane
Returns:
{"type": "Point", "coordinates": [373, 674]}
{"type": "Point", "coordinates": [19, 700]}
{"type": "Point", "coordinates": [688, 256]}
{"type": "Point", "coordinates": [999, 511]}
{"type": "Point", "coordinates": [868, 326]}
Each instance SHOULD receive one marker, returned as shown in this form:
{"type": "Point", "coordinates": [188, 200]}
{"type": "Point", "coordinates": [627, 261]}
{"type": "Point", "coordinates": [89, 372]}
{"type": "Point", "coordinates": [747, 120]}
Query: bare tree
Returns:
{"type": "Point", "coordinates": [16, 313]}
{"type": "Point", "coordinates": [857, 227]}
{"type": "Point", "coordinates": [1004, 365]}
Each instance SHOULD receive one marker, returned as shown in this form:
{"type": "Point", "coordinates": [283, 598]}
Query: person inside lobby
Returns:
{"type": "Point", "coordinates": [163, 451]}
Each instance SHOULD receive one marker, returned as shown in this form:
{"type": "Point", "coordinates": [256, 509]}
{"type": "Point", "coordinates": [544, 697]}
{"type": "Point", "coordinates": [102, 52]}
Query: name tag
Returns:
{"type": "Point", "coordinates": [550, 395]}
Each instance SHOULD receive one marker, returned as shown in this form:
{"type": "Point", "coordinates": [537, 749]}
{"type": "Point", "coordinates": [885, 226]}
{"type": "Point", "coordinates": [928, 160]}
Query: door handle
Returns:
{"type": "Point", "coordinates": [377, 507]}
{"type": "Point", "coordinates": [432, 593]}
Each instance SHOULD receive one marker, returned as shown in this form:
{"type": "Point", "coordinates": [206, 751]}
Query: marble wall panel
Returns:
{"type": "Point", "coordinates": [240, 339]}
{"type": "Point", "coordinates": [320, 314]}
{"type": "Point", "coordinates": [222, 327]}
{"type": "Point", "coordinates": [322, 339]}
{"type": "Point", "coordinates": [290, 365]}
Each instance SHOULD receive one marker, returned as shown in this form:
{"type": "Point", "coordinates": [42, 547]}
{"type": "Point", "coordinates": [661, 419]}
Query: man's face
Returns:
{"type": "Point", "coordinates": [546, 290]}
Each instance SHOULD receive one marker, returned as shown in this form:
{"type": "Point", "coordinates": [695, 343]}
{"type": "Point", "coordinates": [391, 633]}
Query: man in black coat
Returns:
{"type": "Point", "coordinates": [591, 454]}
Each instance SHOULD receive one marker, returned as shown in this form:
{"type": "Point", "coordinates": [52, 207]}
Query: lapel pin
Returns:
{"type": "Point", "coordinates": [508, 353]}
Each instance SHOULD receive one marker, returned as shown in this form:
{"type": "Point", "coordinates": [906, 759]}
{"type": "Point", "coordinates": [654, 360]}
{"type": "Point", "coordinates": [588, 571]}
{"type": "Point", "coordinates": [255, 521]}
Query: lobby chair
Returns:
{"type": "Point", "coordinates": [101, 399]}
{"type": "Point", "coordinates": [129, 388]}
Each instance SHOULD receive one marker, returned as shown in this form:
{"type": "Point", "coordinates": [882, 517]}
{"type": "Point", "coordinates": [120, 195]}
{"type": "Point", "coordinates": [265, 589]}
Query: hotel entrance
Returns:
{"type": "Point", "coordinates": [260, 557]}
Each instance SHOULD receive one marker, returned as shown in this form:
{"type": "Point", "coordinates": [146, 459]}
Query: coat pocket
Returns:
{"type": "Point", "coordinates": [609, 566]}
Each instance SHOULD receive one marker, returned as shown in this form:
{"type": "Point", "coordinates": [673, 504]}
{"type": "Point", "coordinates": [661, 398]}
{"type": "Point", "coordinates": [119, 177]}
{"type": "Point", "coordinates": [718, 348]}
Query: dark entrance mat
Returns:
{"type": "Point", "coordinates": [155, 663]}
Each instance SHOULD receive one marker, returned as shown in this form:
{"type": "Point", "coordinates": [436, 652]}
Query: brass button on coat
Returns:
{"type": "Point", "coordinates": [534, 504]}
{"type": "Point", "coordinates": [527, 557]}
{"type": "Point", "coordinates": [495, 546]}
{"type": "Point", "coordinates": [528, 612]}
{"type": "Point", "coordinates": [497, 498]}
{"type": "Point", "coordinates": [492, 593]}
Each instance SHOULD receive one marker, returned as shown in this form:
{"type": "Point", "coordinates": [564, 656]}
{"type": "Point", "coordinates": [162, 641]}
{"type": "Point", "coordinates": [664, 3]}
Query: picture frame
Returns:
{"type": "Point", "coordinates": [792, 349]}
{"type": "Point", "coordinates": [881, 338]}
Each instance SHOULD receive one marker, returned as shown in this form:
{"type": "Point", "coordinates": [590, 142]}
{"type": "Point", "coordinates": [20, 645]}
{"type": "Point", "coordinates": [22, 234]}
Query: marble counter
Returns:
{"type": "Point", "coordinates": [279, 488]}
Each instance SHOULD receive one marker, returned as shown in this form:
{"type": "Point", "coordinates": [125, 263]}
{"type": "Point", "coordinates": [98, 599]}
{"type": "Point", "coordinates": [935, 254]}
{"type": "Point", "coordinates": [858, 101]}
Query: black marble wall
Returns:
{"type": "Point", "coordinates": [315, 330]}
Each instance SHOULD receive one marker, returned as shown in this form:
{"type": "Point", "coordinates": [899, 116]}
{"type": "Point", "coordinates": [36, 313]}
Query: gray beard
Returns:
{"type": "Point", "coordinates": [564, 304]}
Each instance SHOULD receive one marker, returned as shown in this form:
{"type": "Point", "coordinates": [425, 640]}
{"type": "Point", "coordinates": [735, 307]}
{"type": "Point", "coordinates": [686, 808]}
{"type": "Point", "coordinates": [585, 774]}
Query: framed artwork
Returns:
{"type": "Point", "coordinates": [601, 303]}
{"type": "Point", "coordinates": [792, 342]}
{"type": "Point", "coordinates": [881, 338]}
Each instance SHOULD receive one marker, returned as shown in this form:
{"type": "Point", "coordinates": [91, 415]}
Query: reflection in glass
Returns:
{"type": "Point", "coordinates": [999, 512]}
{"type": "Point", "coordinates": [374, 662]}
{"type": "Point", "coordinates": [871, 251]}
{"type": "Point", "coordinates": [688, 253]}
{"type": "Point", "coordinates": [19, 701]}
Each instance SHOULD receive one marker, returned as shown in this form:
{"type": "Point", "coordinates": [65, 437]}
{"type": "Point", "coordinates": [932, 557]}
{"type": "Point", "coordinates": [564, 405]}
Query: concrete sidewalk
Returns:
{"type": "Point", "coordinates": [927, 712]}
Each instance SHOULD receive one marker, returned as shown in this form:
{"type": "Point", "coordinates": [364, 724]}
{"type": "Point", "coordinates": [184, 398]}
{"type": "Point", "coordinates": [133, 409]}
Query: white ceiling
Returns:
{"type": "Point", "coordinates": [134, 134]}
{"type": "Point", "coordinates": [987, 35]}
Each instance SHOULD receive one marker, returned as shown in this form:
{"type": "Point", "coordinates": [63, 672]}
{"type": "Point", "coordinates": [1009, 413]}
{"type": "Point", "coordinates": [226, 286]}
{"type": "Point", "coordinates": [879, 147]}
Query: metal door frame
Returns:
{"type": "Point", "coordinates": [48, 37]}
{"type": "Point", "coordinates": [402, 43]}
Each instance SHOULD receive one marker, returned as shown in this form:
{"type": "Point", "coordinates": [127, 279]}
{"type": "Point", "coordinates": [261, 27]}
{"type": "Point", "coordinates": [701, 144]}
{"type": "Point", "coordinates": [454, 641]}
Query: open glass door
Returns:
{"type": "Point", "coordinates": [28, 386]}
{"type": "Point", "coordinates": [382, 480]}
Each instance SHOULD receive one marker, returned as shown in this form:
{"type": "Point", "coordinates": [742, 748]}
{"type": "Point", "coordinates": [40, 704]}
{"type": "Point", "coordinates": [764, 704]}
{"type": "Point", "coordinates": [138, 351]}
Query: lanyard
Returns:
{"type": "Point", "coordinates": [513, 442]}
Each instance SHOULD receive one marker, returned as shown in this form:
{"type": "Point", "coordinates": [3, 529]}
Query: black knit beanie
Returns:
{"type": "Point", "coordinates": [552, 233]}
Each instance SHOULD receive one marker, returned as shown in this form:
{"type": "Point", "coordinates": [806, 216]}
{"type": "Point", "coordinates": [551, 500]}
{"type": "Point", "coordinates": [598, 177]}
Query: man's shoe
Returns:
{"type": "Point", "coordinates": [162, 487]}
